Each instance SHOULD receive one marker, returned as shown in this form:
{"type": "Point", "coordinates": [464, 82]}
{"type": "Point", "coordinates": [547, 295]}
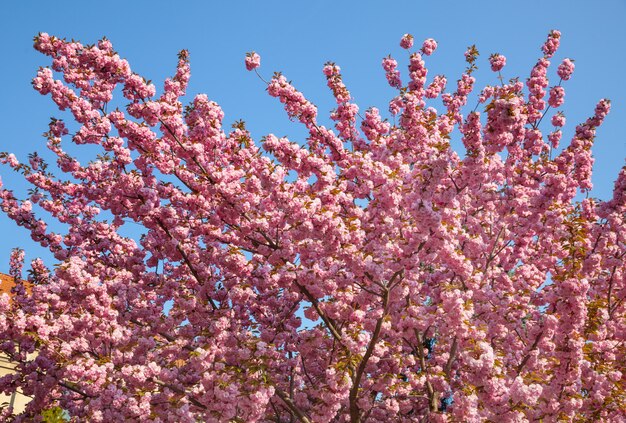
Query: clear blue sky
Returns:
{"type": "Point", "coordinates": [297, 38]}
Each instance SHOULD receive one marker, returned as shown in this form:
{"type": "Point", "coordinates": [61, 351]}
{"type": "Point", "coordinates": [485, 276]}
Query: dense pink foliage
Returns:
{"type": "Point", "coordinates": [369, 273]}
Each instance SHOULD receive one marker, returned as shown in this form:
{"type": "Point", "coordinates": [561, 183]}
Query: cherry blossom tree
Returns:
{"type": "Point", "coordinates": [369, 273]}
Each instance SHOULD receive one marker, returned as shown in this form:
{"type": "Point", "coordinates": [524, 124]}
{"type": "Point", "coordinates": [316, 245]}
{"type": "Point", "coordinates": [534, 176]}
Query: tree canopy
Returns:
{"type": "Point", "coordinates": [367, 273]}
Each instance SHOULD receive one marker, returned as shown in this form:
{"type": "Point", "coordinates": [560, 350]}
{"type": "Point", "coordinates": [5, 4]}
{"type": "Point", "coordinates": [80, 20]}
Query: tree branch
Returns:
{"type": "Point", "coordinates": [355, 414]}
{"type": "Point", "coordinates": [292, 406]}
{"type": "Point", "coordinates": [432, 394]}
{"type": "Point", "coordinates": [453, 350]}
{"type": "Point", "coordinates": [180, 391]}
{"type": "Point", "coordinates": [330, 323]}
{"type": "Point", "coordinates": [520, 367]}
{"type": "Point", "coordinates": [186, 260]}
{"type": "Point", "coordinates": [71, 386]}
{"type": "Point", "coordinates": [167, 336]}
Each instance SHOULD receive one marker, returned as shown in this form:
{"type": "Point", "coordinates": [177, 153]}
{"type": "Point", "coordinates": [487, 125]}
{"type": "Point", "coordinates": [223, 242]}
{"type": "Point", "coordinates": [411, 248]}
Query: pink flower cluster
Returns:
{"type": "Point", "coordinates": [417, 72]}
{"type": "Point", "coordinates": [436, 87]}
{"type": "Point", "coordinates": [565, 69]}
{"type": "Point", "coordinates": [253, 61]}
{"type": "Point", "coordinates": [537, 84]}
{"type": "Point", "coordinates": [392, 73]}
{"type": "Point", "coordinates": [429, 46]}
{"type": "Point", "coordinates": [406, 42]}
{"type": "Point", "coordinates": [16, 263]}
{"type": "Point", "coordinates": [552, 44]}
{"type": "Point", "coordinates": [557, 96]}
{"type": "Point", "coordinates": [335, 83]}
{"type": "Point", "coordinates": [497, 62]}
{"type": "Point", "coordinates": [296, 105]}
{"type": "Point", "coordinates": [558, 119]}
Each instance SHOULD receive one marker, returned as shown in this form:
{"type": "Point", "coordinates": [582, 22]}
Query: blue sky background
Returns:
{"type": "Point", "coordinates": [297, 38]}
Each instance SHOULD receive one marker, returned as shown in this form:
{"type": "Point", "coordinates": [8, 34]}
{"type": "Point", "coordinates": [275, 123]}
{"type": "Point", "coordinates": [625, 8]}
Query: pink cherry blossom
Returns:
{"type": "Point", "coordinates": [406, 42]}
{"type": "Point", "coordinates": [557, 95]}
{"type": "Point", "coordinates": [253, 61]}
{"type": "Point", "coordinates": [558, 119]}
{"type": "Point", "coordinates": [391, 72]}
{"type": "Point", "coordinates": [429, 46]}
{"type": "Point", "coordinates": [366, 272]}
{"type": "Point", "coordinates": [497, 62]}
{"type": "Point", "coordinates": [552, 43]}
{"type": "Point", "coordinates": [565, 69]}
